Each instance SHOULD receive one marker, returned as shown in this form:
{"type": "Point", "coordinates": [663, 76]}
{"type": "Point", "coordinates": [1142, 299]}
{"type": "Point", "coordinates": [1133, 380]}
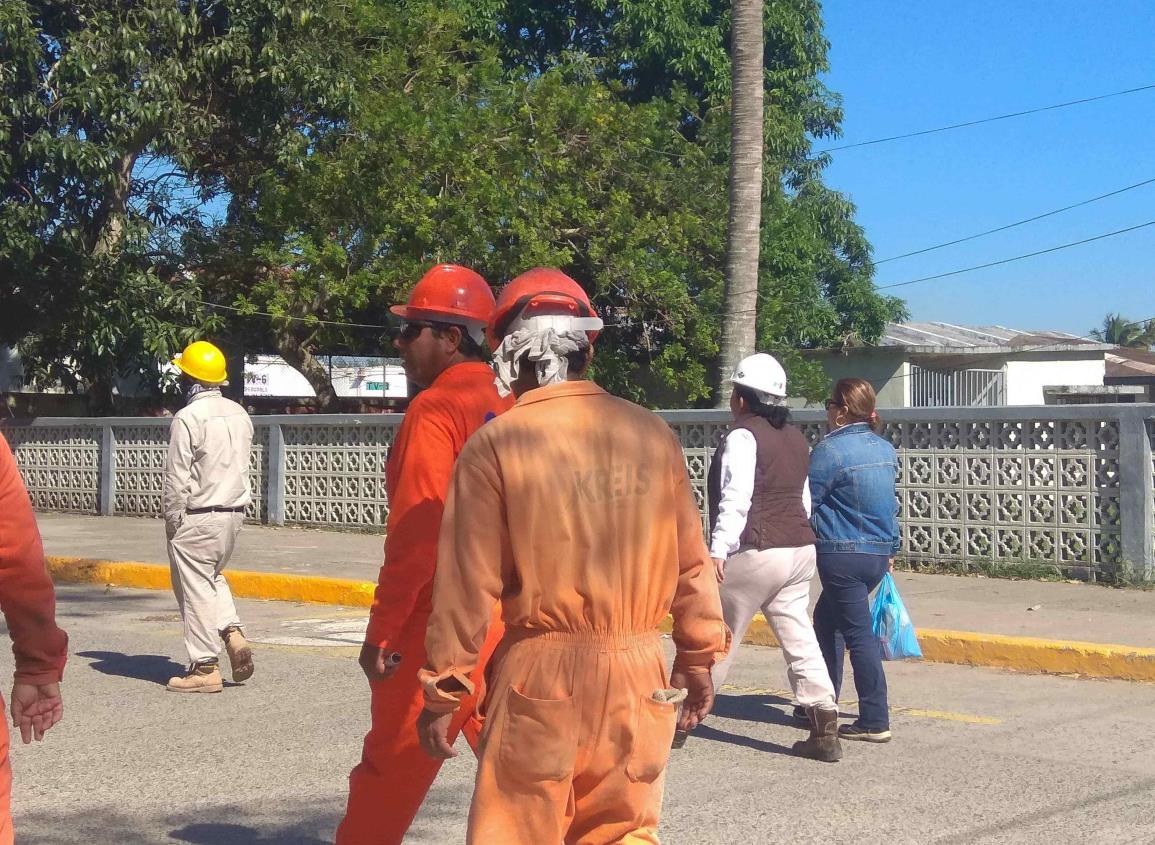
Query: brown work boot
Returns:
{"type": "Point", "coordinates": [240, 655]}
{"type": "Point", "coordinates": [822, 744]}
{"type": "Point", "coordinates": [201, 677]}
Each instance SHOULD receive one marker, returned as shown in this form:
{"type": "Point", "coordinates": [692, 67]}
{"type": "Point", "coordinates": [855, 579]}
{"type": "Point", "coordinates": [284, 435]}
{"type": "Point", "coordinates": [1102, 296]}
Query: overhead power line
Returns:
{"type": "Point", "coordinates": [315, 320]}
{"type": "Point", "coordinates": [252, 313]}
{"type": "Point", "coordinates": [987, 119]}
{"type": "Point", "coordinates": [1017, 257]}
{"type": "Point", "coordinates": [1016, 223]}
{"type": "Point", "coordinates": [959, 272]}
{"type": "Point", "coordinates": [1055, 340]}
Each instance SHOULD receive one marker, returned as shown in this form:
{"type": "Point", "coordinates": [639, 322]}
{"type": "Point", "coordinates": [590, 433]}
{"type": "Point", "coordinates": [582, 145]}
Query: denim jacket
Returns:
{"type": "Point", "coordinates": [852, 478]}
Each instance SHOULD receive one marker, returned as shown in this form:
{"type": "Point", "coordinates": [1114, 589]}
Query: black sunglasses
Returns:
{"type": "Point", "coordinates": [412, 330]}
{"type": "Point", "coordinates": [833, 403]}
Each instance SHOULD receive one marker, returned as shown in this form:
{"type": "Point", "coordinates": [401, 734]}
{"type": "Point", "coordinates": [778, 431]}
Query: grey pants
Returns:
{"type": "Point", "coordinates": [778, 582]}
{"type": "Point", "coordinates": [196, 554]}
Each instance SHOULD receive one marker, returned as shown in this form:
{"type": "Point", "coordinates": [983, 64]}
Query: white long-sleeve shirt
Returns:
{"type": "Point", "coordinates": [739, 457]}
{"type": "Point", "coordinates": [208, 457]}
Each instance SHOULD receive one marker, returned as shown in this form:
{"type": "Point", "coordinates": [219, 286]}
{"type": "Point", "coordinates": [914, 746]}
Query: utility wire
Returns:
{"type": "Point", "coordinates": [987, 119]}
{"type": "Point", "coordinates": [1016, 223]}
{"type": "Point", "coordinates": [1018, 350]}
{"type": "Point", "coordinates": [836, 296]}
{"type": "Point", "coordinates": [830, 298]}
{"type": "Point", "coordinates": [1017, 257]}
{"type": "Point", "coordinates": [250, 313]}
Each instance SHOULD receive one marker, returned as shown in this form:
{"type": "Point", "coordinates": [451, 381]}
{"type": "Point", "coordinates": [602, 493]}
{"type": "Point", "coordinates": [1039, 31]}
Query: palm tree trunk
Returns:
{"type": "Point", "coordinates": [744, 226]}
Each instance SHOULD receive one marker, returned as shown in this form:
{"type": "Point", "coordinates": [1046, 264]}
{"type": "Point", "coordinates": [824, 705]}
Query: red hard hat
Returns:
{"type": "Point", "coordinates": [544, 290]}
{"type": "Point", "coordinates": [449, 293]}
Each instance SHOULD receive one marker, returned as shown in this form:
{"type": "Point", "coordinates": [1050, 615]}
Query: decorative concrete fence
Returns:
{"type": "Point", "coordinates": [1065, 486]}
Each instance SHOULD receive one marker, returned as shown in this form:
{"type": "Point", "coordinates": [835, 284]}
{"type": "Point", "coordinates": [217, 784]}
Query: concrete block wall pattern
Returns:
{"type": "Point", "coordinates": [1067, 486]}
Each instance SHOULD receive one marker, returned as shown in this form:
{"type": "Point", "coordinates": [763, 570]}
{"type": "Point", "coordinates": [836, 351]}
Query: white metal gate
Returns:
{"type": "Point", "coordinates": [945, 388]}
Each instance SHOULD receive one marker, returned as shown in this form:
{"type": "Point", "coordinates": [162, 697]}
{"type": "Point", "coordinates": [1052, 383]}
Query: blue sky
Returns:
{"type": "Point", "coordinates": [905, 66]}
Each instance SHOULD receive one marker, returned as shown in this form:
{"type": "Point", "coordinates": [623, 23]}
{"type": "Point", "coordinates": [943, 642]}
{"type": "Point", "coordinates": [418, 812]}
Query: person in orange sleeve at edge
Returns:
{"type": "Point", "coordinates": [440, 344]}
{"type": "Point", "coordinates": [29, 604]}
{"type": "Point", "coordinates": [574, 511]}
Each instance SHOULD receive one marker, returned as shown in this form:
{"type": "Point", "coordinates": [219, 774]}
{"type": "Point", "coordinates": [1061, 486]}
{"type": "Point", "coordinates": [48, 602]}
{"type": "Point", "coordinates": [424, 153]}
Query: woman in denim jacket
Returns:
{"type": "Point", "coordinates": [852, 484]}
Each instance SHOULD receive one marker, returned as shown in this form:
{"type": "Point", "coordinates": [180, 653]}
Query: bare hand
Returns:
{"type": "Point", "coordinates": [35, 709]}
{"type": "Point", "coordinates": [890, 565]}
{"type": "Point", "coordinates": [719, 568]}
{"type": "Point", "coordinates": [433, 733]}
{"type": "Point", "coordinates": [378, 664]}
{"type": "Point", "coordinates": [700, 699]}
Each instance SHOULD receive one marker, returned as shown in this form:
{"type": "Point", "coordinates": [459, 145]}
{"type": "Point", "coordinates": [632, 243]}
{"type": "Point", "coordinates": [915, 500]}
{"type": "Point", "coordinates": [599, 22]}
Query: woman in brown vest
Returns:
{"type": "Point", "coordinates": [762, 543]}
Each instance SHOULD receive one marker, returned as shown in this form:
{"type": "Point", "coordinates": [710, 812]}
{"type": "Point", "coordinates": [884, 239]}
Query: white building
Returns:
{"type": "Point", "coordinates": [352, 377]}
{"type": "Point", "coordinates": [922, 365]}
{"type": "Point", "coordinates": [265, 375]}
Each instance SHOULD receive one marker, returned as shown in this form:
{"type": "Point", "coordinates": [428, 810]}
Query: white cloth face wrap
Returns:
{"type": "Point", "coordinates": [545, 340]}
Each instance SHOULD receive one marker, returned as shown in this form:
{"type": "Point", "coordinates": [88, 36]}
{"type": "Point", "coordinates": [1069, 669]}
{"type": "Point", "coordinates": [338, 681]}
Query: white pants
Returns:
{"type": "Point", "coordinates": [778, 582]}
{"type": "Point", "coordinates": [196, 554]}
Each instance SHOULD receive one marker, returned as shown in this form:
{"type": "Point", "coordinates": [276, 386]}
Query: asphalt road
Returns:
{"type": "Point", "coordinates": [979, 756]}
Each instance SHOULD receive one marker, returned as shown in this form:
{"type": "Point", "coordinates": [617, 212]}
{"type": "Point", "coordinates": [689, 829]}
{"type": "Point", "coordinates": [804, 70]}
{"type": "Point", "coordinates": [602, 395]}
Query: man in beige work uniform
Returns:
{"type": "Point", "coordinates": [206, 490]}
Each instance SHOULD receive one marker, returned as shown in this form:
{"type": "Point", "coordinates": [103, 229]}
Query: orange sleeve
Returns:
{"type": "Point", "coordinates": [26, 594]}
{"type": "Point", "coordinates": [425, 451]}
{"type": "Point", "coordinates": [700, 634]}
{"type": "Point", "coordinates": [471, 565]}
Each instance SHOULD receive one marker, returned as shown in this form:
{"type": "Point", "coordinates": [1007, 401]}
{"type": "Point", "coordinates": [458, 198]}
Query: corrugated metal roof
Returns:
{"type": "Point", "coordinates": [1131, 363]}
{"type": "Point", "coordinates": [952, 336]}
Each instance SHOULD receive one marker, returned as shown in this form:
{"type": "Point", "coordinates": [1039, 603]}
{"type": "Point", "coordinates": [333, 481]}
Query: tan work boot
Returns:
{"type": "Point", "coordinates": [822, 744]}
{"type": "Point", "coordinates": [240, 655]}
{"type": "Point", "coordinates": [201, 677]}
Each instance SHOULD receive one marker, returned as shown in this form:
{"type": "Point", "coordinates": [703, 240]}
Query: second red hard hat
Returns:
{"type": "Point", "coordinates": [449, 293]}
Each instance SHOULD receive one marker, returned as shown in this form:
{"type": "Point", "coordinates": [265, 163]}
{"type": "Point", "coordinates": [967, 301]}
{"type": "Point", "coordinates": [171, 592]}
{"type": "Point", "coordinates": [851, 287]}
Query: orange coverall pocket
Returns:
{"type": "Point", "coordinates": [654, 724]}
{"type": "Point", "coordinates": [539, 738]}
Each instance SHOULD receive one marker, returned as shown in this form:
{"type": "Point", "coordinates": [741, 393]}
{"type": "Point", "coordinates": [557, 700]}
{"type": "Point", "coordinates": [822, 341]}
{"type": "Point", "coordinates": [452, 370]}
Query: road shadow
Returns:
{"type": "Point", "coordinates": [239, 834]}
{"type": "Point", "coordinates": [1049, 815]}
{"type": "Point", "coordinates": [756, 708]}
{"type": "Point", "coordinates": [156, 668]}
{"type": "Point", "coordinates": [282, 825]}
{"type": "Point", "coordinates": [714, 734]}
{"type": "Point", "coordinates": [89, 601]}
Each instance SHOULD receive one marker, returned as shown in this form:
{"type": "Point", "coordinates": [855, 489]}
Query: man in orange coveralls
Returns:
{"type": "Point", "coordinates": [574, 509]}
{"type": "Point", "coordinates": [29, 605]}
{"type": "Point", "coordinates": [440, 346]}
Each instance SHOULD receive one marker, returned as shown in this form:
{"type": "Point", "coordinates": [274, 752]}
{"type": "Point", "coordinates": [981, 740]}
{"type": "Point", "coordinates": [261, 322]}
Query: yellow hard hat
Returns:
{"type": "Point", "coordinates": [202, 361]}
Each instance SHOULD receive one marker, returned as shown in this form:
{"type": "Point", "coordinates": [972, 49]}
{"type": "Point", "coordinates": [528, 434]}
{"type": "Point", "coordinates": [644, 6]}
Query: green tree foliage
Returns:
{"type": "Point", "coordinates": [119, 122]}
{"type": "Point", "coordinates": [1120, 331]}
{"type": "Point", "coordinates": [815, 281]}
{"type": "Point", "coordinates": [591, 136]}
{"type": "Point", "coordinates": [354, 144]}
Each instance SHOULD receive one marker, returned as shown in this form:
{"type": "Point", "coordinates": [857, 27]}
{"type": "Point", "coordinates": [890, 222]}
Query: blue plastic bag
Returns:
{"type": "Point", "coordinates": [891, 623]}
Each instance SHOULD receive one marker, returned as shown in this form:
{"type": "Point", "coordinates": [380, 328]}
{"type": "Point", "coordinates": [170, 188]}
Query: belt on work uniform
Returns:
{"type": "Point", "coordinates": [239, 509]}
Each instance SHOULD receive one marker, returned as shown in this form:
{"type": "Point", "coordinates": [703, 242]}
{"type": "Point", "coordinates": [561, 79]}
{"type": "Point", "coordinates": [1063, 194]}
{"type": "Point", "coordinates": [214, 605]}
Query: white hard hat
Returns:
{"type": "Point", "coordinates": [761, 373]}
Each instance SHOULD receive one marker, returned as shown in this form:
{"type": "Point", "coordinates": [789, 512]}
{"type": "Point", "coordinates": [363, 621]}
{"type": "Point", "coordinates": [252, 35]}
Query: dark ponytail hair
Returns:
{"type": "Point", "coordinates": [776, 415]}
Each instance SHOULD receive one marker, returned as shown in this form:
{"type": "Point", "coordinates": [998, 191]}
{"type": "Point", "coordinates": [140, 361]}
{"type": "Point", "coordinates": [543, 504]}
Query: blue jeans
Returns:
{"type": "Point", "coordinates": [842, 620]}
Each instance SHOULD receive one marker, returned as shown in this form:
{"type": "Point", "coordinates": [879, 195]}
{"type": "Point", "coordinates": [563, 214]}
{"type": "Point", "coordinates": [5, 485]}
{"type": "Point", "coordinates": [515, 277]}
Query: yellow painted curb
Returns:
{"type": "Point", "coordinates": [244, 584]}
{"type": "Point", "coordinates": [1031, 654]}
{"type": "Point", "coordinates": [1024, 654]}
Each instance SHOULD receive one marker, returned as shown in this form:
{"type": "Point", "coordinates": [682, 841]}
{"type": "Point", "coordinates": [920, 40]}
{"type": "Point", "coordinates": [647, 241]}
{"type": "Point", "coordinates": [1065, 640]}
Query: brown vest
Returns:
{"type": "Point", "coordinates": [777, 518]}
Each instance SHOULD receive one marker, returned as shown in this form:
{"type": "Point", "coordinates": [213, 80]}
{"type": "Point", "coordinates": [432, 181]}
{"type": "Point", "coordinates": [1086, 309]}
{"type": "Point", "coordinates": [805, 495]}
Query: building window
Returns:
{"type": "Point", "coordinates": [942, 388]}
